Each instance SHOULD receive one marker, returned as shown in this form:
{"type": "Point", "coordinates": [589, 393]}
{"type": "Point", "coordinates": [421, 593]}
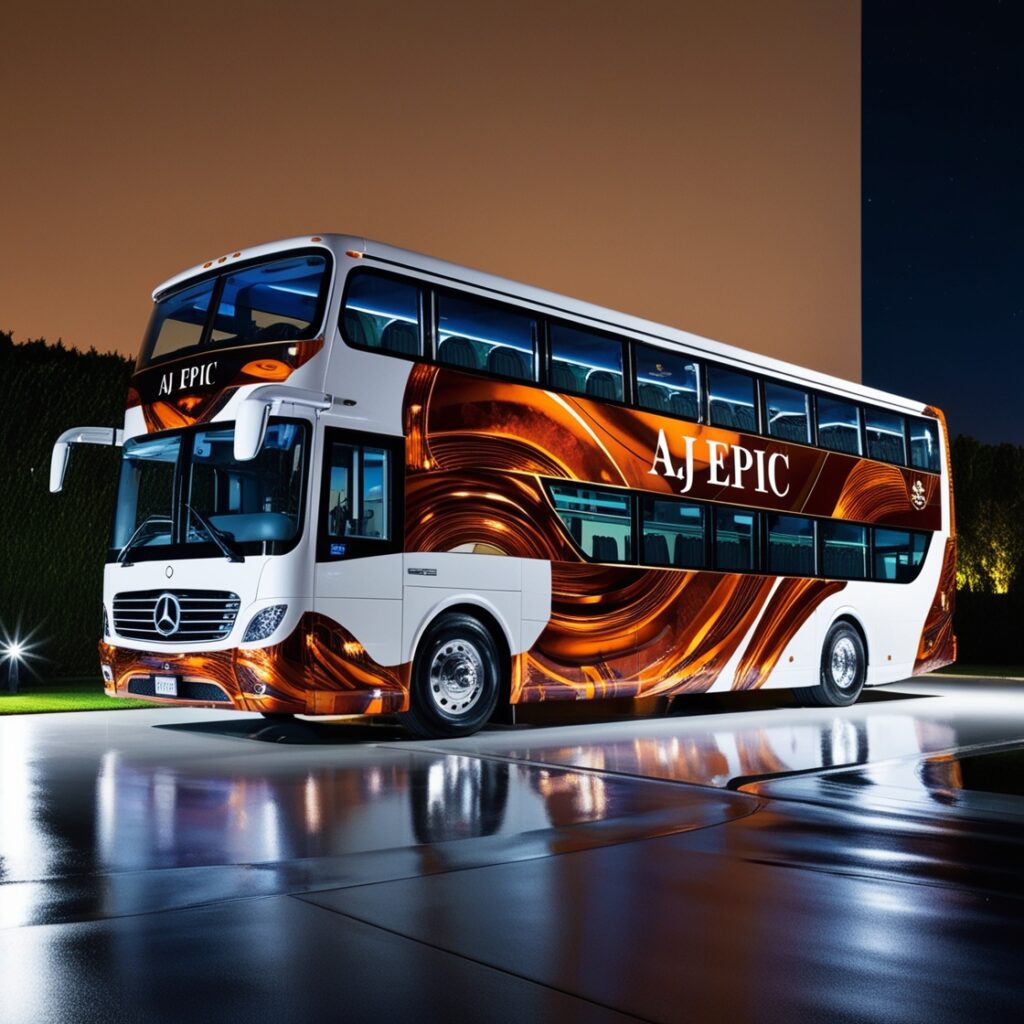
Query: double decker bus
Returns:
{"type": "Point", "coordinates": [358, 480]}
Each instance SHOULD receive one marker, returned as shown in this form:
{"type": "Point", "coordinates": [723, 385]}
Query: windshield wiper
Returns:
{"type": "Point", "coordinates": [219, 537]}
{"type": "Point", "coordinates": [122, 555]}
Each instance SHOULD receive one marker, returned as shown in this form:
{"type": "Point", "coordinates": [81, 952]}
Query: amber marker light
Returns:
{"type": "Point", "coordinates": [354, 254]}
{"type": "Point", "coordinates": [316, 238]}
{"type": "Point", "coordinates": [267, 369]}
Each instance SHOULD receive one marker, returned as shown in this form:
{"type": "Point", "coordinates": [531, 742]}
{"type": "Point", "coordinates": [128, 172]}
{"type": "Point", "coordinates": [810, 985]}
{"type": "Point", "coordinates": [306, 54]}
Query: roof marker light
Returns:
{"type": "Point", "coordinates": [316, 238]}
{"type": "Point", "coordinates": [235, 255]}
{"type": "Point", "coordinates": [354, 254]}
{"type": "Point", "coordinates": [208, 263]}
{"type": "Point", "coordinates": [222, 259]}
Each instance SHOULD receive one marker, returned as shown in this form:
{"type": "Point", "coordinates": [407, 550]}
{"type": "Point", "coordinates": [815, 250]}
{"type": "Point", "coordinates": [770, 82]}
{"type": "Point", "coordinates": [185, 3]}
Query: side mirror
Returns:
{"type": "Point", "coordinates": [250, 428]}
{"type": "Point", "coordinates": [58, 465]}
{"type": "Point", "coordinates": [255, 408]}
{"type": "Point", "coordinates": [78, 435]}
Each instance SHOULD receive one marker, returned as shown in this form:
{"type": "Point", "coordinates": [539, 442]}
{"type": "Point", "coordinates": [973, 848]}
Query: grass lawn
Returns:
{"type": "Point", "coordinates": [993, 671]}
{"type": "Point", "coordinates": [83, 694]}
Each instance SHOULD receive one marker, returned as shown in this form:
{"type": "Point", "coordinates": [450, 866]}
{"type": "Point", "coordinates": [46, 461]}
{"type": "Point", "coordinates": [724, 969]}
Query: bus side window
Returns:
{"type": "Point", "coordinates": [358, 492]}
{"type": "Point", "coordinates": [838, 425]}
{"type": "Point", "coordinates": [787, 412]}
{"type": "Point", "coordinates": [673, 533]}
{"type": "Point", "coordinates": [731, 400]}
{"type": "Point", "coordinates": [474, 334]}
{"type": "Point", "coordinates": [667, 382]}
{"type": "Point", "coordinates": [586, 363]}
{"type": "Point", "coordinates": [885, 433]}
{"type": "Point", "coordinates": [598, 521]}
{"type": "Point", "coordinates": [382, 313]}
{"type": "Point", "coordinates": [924, 445]}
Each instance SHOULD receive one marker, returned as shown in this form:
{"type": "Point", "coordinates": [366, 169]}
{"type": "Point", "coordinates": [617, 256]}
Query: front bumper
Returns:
{"type": "Point", "coordinates": [320, 669]}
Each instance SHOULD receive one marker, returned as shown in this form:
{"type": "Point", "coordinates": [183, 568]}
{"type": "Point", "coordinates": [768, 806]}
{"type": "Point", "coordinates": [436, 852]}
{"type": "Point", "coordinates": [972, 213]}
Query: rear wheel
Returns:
{"type": "Point", "coordinates": [455, 678]}
{"type": "Point", "coordinates": [843, 669]}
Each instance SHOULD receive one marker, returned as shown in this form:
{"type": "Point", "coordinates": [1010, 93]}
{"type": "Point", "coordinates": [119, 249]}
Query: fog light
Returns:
{"type": "Point", "coordinates": [108, 673]}
{"type": "Point", "coordinates": [264, 623]}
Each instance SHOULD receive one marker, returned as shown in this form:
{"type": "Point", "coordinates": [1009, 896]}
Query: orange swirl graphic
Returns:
{"type": "Point", "coordinates": [937, 646]}
{"type": "Point", "coordinates": [789, 608]}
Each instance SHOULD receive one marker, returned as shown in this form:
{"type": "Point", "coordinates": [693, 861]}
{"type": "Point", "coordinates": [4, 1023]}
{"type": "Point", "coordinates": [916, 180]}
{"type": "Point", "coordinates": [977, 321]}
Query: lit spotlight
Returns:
{"type": "Point", "coordinates": [16, 650]}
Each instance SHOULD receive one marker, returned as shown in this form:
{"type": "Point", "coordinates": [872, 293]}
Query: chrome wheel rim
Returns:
{"type": "Point", "coordinates": [844, 663]}
{"type": "Point", "coordinates": [456, 677]}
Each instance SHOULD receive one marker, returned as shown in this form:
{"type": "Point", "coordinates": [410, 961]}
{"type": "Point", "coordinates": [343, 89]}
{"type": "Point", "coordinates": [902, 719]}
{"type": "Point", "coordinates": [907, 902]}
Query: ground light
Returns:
{"type": "Point", "coordinates": [15, 650]}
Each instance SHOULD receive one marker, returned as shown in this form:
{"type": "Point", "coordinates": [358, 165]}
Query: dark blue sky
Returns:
{"type": "Point", "coordinates": [943, 180]}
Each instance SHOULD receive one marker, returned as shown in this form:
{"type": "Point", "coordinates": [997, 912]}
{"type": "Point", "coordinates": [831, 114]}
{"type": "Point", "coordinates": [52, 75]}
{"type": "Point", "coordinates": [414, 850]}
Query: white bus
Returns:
{"type": "Point", "coordinates": [359, 480]}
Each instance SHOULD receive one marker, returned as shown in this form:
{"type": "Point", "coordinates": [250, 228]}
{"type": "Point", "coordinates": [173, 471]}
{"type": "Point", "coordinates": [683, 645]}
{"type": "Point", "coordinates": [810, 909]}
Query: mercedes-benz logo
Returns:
{"type": "Point", "coordinates": [167, 614]}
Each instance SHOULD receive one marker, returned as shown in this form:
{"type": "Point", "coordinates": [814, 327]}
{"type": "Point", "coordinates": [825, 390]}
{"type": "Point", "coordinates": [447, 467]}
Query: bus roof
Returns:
{"type": "Point", "coordinates": [393, 257]}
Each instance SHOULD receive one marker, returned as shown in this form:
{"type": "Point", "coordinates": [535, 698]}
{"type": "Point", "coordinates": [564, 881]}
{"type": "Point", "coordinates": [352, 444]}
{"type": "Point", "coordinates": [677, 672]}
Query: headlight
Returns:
{"type": "Point", "coordinates": [264, 623]}
{"type": "Point", "coordinates": [106, 623]}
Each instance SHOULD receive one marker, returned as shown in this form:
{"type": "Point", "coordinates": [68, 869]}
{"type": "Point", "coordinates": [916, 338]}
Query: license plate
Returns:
{"type": "Point", "coordinates": [165, 686]}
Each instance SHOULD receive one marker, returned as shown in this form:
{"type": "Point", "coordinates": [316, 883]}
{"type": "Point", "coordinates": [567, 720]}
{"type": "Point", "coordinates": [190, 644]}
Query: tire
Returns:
{"type": "Point", "coordinates": [843, 670]}
{"type": "Point", "coordinates": [456, 676]}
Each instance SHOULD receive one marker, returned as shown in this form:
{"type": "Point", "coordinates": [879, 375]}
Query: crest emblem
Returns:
{"type": "Point", "coordinates": [917, 496]}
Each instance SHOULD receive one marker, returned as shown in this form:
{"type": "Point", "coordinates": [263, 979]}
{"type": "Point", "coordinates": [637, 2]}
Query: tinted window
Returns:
{"type": "Point", "coordinates": [586, 363]}
{"type": "Point", "coordinates": [382, 313]}
{"type": "Point", "coordinates": [179, 320]}
{"type": "Point", "coordinates": [924, 444]}
{"type": "Point", "coordinates": [731, 400]}
{"type": "Point", "coordinates": [279, 300]}
{"type": "Point", "coordinates": [787, 412]}
{"type": "Point", "coordinates": [735, 539]}
{"type": "Point", "coordinates": [275, 301]}
{"type": "Point", "coordinates": [667, 382]}
{"type": "Point", "coordinates": [899, 554]}
{"type": "Point", "coordinates": [484, 336]}
{"type": "Point", "coordinates": [838, 425]}
{"type": "Point", "coordinates": [885, 436]}
{"type": "Point", "coordinates": [790, 546]}
{"type": "Point", "coordinates": [673, 533]}
{"type": "Point", "coordinates": [599, 521]}
{"type": "Point", "coordinates": [844, 550]}
{"type": "Point", "coordinates": [358, 492]}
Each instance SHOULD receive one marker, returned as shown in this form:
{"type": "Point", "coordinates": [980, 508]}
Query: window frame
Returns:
{"type": "Point", "coordinates": [362, 547]}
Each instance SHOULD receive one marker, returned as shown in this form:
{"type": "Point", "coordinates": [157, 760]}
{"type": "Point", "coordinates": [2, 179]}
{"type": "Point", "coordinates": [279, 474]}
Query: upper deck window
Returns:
{"type": "Point", "coordinates": [885, 435]}
{"type": "Point", "coordinates": [924, 444]}
{"type": "Point", "coordinates": [382, 313]}
{"type": "Point", "coordinates": [276, 300]}
{"type": "Point", "coordinates": [586, 363]}
{"type": "Point", "coordinates": [731, 399]}
{"type": "Point", "coordinates": [839, 425]}
{"type": "Point", "coordinates": [787, 412]}
{"type": "Point", "coordinates": [478, 335]}
{"type": "Point", "coordinates": [667, 382]}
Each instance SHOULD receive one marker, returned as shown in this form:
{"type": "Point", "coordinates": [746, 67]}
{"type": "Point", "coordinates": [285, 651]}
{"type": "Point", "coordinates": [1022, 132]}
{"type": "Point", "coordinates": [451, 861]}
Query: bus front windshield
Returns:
{"type": "Point", "coordinates": [271, 301]}
{"type": "Point", "coordinates": [184, 495]}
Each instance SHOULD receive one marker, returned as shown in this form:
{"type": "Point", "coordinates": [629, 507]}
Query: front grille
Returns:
{"type": "Point", "coordinates": [188, 689]}
{"type": "Point", "coordinates": [201, 614]}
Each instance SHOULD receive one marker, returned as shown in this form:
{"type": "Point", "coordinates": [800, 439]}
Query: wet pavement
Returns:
{"type": "Point", "coordinates": [736, 859]}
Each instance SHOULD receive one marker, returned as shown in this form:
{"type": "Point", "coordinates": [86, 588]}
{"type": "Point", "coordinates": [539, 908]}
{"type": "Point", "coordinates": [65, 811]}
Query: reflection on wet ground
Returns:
{"type": "Point", "coordinates": [550, 854]}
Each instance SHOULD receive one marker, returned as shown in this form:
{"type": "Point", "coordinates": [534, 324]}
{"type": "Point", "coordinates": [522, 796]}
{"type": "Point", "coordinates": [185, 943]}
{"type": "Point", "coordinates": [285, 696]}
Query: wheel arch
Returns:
{"type": "Point", "coordinates": [491, 619]}
{"type": "Point", "coordinates": [850, 619]}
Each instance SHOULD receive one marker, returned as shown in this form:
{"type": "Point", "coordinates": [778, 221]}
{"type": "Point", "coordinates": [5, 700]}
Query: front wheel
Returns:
{"type": "Point", "coordinates": [843, 669]}
{"type": "Point", "coordinates": [455, 678]}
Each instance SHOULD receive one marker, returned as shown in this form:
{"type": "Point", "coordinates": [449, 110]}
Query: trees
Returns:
{"type": "Point", "coordinates": [988, 485]}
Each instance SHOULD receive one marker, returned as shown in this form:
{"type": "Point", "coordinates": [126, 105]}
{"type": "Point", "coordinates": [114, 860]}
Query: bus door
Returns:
{"type": "Point", "coordinates": [358, 579]}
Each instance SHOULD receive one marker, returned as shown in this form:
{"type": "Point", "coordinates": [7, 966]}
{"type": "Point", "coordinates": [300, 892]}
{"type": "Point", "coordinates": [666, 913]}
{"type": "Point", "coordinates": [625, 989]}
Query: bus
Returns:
{"type": "Point", "coordinates": [357, 480]}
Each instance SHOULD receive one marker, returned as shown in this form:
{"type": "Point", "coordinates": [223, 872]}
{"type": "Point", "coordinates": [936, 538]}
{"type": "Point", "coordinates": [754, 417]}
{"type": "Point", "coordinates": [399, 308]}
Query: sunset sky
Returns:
{"type": "Point", "coordinates": [695, 163]}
